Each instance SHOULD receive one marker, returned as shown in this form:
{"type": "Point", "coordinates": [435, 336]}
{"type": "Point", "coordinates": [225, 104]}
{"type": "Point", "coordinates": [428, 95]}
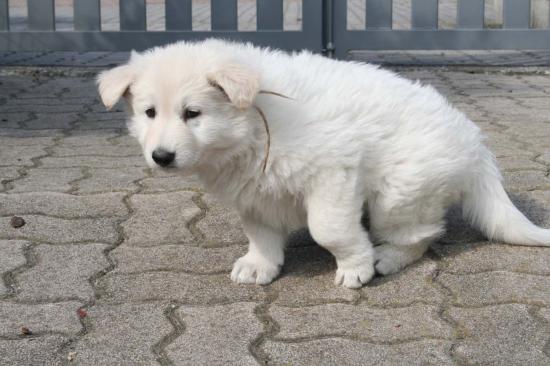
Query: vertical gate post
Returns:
{"type": "Point", "coordinates": [328, 19]}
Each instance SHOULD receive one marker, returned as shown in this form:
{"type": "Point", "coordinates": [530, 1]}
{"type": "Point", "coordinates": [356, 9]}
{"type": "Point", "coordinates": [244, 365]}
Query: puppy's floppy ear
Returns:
{"type": "Point", "coordinates": [239, 83]}
{"type": "Point", "coordinates": [114, 83]}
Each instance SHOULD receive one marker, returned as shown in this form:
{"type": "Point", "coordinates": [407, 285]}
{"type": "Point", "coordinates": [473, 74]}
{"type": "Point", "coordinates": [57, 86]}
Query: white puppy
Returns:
{"type": "Point", "coordinates": [302, 140]}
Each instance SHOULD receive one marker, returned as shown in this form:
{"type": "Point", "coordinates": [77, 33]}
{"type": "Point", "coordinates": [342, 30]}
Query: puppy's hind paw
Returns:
{"type": "Point", "coordinates": [254, 269]}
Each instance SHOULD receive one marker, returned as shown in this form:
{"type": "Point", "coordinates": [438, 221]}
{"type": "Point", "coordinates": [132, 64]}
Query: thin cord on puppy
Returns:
{"type": "Point", "coordinates": [261, 113]}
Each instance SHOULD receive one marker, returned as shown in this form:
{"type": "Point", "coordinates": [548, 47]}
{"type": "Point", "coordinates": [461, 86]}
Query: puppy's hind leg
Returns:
{"type": "Point", "coordinates": [405, 236]}
{"type": "Point", "coordinates": [334, 209]}
{"type": "Point", "coordinates": [265, 255]}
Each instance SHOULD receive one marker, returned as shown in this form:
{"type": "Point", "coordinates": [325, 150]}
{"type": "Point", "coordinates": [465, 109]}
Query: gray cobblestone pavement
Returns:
{"type": "Point", "coordinates": [117, 264]}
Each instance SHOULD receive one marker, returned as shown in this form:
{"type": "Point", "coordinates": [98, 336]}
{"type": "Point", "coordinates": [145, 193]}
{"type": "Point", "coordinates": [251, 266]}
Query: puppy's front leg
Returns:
{"type": "Point", "coordinates": [265, 255]}
{"type": "Point", "coordinates": [334, 209]}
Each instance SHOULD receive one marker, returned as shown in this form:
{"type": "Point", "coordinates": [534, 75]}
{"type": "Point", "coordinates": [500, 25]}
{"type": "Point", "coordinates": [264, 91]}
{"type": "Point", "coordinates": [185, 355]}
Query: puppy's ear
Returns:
{"type": "Point", "coordinates": [239, 83]}
{"type": "Point", "coordinates": [114, 83]}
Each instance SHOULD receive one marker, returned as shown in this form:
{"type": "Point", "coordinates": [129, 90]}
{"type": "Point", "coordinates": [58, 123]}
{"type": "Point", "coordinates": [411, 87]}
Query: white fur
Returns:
{"type": "Point", "coordinates": [350, 134]}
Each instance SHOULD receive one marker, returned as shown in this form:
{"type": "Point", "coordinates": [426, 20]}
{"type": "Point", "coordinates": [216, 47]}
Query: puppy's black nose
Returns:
{"type": "Point", "coordinates": [163, 157]}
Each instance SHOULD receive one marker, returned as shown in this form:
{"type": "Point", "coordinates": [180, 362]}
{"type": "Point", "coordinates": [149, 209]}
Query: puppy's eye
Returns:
{"type": "Point", "coordinates": [151, 112]}
{"type": "Point", "coordinates": [190, 113]}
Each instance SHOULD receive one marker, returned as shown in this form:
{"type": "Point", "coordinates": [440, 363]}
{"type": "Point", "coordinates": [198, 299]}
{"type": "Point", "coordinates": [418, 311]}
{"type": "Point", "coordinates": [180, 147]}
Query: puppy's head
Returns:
{"type": "Point", "coordinates": [188, 104]}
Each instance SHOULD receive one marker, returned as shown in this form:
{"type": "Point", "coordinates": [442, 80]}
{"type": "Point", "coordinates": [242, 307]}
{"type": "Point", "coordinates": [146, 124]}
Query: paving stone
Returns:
{"type": "Point", "coordinates": [484, 257]}
{"type": "Point", "coordinates": [500, 335]}
{"type": "Point", "coordinates": [515, 163]}
{"type": "Point", "coordinates": [160, 219]}
{"type": "Point", "coordinates": [28, 136]}
{"type": "Point", "coordinates": [116, 120]}
{"type": "Point", "coordinates": [94, 162]}
{"type": "Point", "coordinates": [172, 183]}
{"type": "Point", "coordinates": [65, 205]}
{"type": "Point", "coordinates": [107, 150]}
{"type": "Point", "coordinates": [526, 181]}
{"type": "Point", "coordinates": [221, 225]}
{"type": "Point", "coordinates": [110, 180]}
{"type": "Point", "coordinates": [32, 351]}
{"type": "Point", "coordinates": [122, 334]}
{"type": "Point", "coordinates": [43, 141]}
{"type": "Point", "coordinates": [52, 121]}
{"type": "Point", "coordinates": [189, 289]}
{"type": "Point", "coordinates": [360, 321]}
{"type": "Point", "coordinates": [20, 155]}
{"type": "Point", "coordinates": [502, 146]}
{"type": "Point", "coordinates": [308, 278]}
{"type": "Point", "coordinates": [414, 284]}
{"type": "Point", "coordinates": [90, 138]}
{"type": "Point", "coordinates": [59, 231]}
{"type": "Point", "coordinates": [11, 257]}
{"type": "Point", "coordinates": [61, 272]}
{"type": "Point", "coordinates": [9, 172]}
{"type": "Point", "coordinates": [338, 351]}
{"type": "Point", "coordinates": [176, 258]}
{"type": "Point", "coordinates": [529, 129]}
{"type": "Point", "coordinates": [216, 335]}
{"type": "Point", "coordinates": [60, 317]}
{"type": "Point", "coordinates": [538, 104]}
{"type": "Point", "coordinates": [489, 288]}
{"type": "Point", "coordinates": [53, 180]}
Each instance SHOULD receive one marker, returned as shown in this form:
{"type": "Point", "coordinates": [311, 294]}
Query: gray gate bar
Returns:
{"type": "Point", "coordinates": [41, 14]}
{"type": "Point", "coordinates": [132, 15]}
{"type": "Point", "coordinates": [179, 14]}
{"type": "Point", "coordinates": [379, 14]}
{"type": "Point", "coordinates": [424, 14]}
{"type": "Point", "coordinates": [517, 13]}
{"type": "Point", "coordinates": [223, 14]}
{"type": "Point", "coordinates": [87, 16]}
{"type": "Point", "coordinates": [4, 15]}
{"type": "Point", "coordinates": [269, 14]}
{"type": "Point", "coordinates": [471, 14]}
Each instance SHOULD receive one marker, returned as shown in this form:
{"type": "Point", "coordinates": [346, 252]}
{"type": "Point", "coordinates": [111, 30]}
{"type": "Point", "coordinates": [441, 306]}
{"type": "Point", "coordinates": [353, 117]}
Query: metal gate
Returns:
{"type": "Point", "coordinates": [470, 33]}
{"type": "Point", "coordinates": [324, 26]}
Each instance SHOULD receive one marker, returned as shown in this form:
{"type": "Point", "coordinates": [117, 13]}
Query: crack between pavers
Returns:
{"type": "Point", "coordinates": [449, 298]}
{"type": "Point", "coordinates": [269, 324]}
{"type": "Point", "coordinates": [159, 348]}
{"type": "Point", "coordinates": [192, 224]}
{"type": "Point", "coordinates": [9, 277]}
{"type": "Point", "coordinates": [359, 338]}
{"type": "Point", "coordinates": [543, 324]}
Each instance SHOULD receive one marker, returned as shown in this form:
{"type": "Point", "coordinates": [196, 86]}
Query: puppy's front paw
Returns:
{"type": "Point", "coordinates": [254, 269]}
{"type": "Point", "coordinates": [354, 276]}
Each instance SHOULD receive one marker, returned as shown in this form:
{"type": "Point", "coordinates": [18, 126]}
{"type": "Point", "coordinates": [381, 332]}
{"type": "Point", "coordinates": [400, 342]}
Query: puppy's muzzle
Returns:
{"type": "Point", "coordinates": [163, 157]}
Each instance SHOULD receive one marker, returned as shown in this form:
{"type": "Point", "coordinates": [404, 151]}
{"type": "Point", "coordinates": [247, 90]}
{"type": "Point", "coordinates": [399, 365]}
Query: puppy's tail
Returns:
{"type": "Point", "coordinates": [489, 208]}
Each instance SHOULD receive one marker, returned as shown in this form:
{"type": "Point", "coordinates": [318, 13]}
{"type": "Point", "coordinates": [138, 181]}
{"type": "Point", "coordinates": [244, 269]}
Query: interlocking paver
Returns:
{"type": "Point", "coordinates": [488, 288]}
{"type": "Point", "coordinates": [121, 334]}
{"type": "Point", "coordinates": [216, 335]}
{"type": "Point", "coordinates": [500, 335]}
{"type": "Point", "coordinates": [60, 317]}
{"type": "Point", "coordinates": [20, 155]}
{"type": "Point", "coordinates": [160, 219]}
{"type": "Point", "coordinates": [183, 258]}
{"type": "Point", "coordinates": [98, 180]}
{"type": "Point", "coordinates": [182, 287]}
{"type": "Point", "coordinates": [484, 257]}
{"type": "Point", "coordinates": [61, 272]}
{"type": "Point", "coordinates": [66, 231]}
{"type": "Point", "coordinates": [93, 162]}
{"type": "Point", "coordinates": [63, 205]}
{"type": "Point", "coordinates": [361, 321]}
{"type": "Point", "coordinates": [52, 180]}
{"type": "Point", "coordinates": [32, 351]}
{"type": "Point", "coordinates": [338, 351]}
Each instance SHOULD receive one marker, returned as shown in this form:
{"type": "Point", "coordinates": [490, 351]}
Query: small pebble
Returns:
{"type": "Point", "coordinates": [17, 222]}
{"type": "Point", "coordinates": [71, 356]}
{"type": "Point", "coordinates": [25, 331]}
{"type": "Point", "coordinates": [82, 313]}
